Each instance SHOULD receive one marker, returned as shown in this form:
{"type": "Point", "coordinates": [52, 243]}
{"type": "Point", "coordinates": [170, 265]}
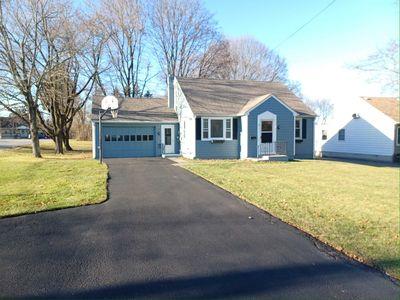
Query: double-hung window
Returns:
{"type": "Point", "coordinates": [298, 129]}
{"type": "Point", "coordinates": [216, 129]}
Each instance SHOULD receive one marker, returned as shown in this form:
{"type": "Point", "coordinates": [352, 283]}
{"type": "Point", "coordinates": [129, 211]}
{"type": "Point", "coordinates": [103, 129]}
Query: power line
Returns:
{"type": "Point", "coordinates": [305, 24]}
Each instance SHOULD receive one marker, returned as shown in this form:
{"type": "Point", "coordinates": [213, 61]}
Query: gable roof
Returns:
{"type": "Point", "coordinates": [388, 105]}
{"type": "Point", "coordinates": [139, 110]}
{"type": "Point", "coordinates": [214, 97]}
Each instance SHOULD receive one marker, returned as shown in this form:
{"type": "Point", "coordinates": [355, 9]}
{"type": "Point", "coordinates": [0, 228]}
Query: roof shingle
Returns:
{"type": "Point", "coordinates": [139, 110]}
{"type": "Point", "coordinates": [388, 105]}
{"type": "Point", "coordinates": [214, 97]}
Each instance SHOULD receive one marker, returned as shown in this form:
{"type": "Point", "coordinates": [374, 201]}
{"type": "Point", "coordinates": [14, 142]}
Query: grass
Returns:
{"type": "Point", "coordinates": [29, 185]}
{"type": "Point", "coordinates": [353, 207]}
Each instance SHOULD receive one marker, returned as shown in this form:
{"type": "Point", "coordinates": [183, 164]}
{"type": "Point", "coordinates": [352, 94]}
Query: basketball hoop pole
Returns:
{"type": "Point", "coordinates": [101, 115]}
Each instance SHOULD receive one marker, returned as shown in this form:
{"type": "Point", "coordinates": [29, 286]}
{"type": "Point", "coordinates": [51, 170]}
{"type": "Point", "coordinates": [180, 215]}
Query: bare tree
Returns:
{"type": "Point", "coordinates": [21, 23]}
{"type": "Point", "coordinates": [383, 67]}
{"type": "Point", "coordinates": [322, 107]}
{"type": "Point", "coordinates": [215, 61]}
{"type": "Point", "coordinates": [125, 23]}
{"type": "Point", "coordinates": [181, 32]}
{"type": "Point", "coordinates": [252, 60]}
{"type": "Point", "coordinates": [72, 58]}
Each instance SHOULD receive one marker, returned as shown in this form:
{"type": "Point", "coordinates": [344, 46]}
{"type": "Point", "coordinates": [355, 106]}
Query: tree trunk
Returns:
{"type": "Point", "coordinates": [66, 141]}
{"type": "Point", "coordinates": [59, 144]}
{"type": "Point", "coordinates": [34, 133]}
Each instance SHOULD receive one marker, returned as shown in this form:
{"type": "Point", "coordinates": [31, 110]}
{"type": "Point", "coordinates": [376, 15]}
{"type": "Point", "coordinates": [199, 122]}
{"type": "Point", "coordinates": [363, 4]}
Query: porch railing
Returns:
{"type": "Point", "coordinates": [274, 148]}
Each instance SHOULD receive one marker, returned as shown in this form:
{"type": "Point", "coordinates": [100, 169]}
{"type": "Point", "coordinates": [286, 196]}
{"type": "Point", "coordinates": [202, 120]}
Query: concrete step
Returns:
{"type": "Point", "coordinates": [167, 155]}
{"type": "Point", "coordinates": [274, 157]}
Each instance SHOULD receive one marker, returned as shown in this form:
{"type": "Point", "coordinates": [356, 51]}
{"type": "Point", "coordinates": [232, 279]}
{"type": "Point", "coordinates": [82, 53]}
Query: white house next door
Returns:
{"type": "Point", "coordinates": [168, 138]}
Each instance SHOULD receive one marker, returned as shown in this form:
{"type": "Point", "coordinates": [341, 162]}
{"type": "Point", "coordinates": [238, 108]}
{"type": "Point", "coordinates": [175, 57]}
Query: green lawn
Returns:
{"type": "Point", "coordinates": [29, 185]}
{"type": "Point", "coordinates": [353, 207]}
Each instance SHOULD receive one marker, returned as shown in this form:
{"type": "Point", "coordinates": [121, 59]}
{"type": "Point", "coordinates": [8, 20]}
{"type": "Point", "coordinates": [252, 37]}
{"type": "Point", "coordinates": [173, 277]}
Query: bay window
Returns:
{"type": "Point", "coordinates": [216, 129]}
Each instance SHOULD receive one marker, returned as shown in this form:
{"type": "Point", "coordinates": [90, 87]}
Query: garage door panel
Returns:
{"type": "Point", "coordinates": [129, 141]}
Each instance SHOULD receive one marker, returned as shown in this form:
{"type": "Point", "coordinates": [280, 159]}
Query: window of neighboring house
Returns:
{"type": "Point", "coordinates": [107, 138]}
{"type": "Point", "coordinates": [126, 138]}
{"type": "Point", "coordinates": [398, 136]}
{"type": "Point", "coordinates": [298, 129]}
{"type": "Point", "coordinates": [342, 135]}
{"type": "Point", "coordinates": [216, 129]}
{"type": "Point", "coordinates": [324, 135]}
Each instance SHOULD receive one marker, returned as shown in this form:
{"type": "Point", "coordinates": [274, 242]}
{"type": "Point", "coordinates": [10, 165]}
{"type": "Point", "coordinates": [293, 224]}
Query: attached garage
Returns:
{"type": "Point", "coordinates": [132, 141]}
{"type": "Point", "coordinates": [143, 128]}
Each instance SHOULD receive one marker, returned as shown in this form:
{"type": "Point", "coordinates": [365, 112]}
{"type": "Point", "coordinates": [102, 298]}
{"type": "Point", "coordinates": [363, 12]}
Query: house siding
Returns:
{"type": "Point", "coordinates": [119, 149]}
{"type": "Point", "coordinates": [221, 150]}
{"type": "Point", "coordinates": [187, 123]}
{"type": "Point", "coordinates": [370, 136]}
{"type": "Point", "coordinates": [227, 149]}
{"type": "Point", "coordinates": [285, 126]}
{"type": "Point", "coordinates": [305, 146]}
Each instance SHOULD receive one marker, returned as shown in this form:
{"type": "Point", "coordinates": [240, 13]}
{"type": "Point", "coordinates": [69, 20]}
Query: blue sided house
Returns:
{"type": "Point", "coordinates": [207, 118]}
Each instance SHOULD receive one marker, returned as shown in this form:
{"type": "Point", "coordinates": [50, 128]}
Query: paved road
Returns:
{"type": "Point", "coordinates": [12, 143]}
{"type": "Point", "coordinates": [166, 233]}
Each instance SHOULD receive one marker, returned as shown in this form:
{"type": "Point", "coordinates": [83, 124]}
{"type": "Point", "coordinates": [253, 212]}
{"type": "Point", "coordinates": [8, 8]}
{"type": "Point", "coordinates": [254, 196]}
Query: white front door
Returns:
{"type": "Point", "coordinates": [168, 138]}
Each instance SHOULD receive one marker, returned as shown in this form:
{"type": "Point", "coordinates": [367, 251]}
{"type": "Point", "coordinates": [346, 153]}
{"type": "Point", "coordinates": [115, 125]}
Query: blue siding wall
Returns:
{"type": "Point", "coordinates": [133, 149]}
{"type": "Point", "coordinates": [305, 147]}
{"type": "Point", "coordinates": [225, 149]}
{"type": "Point", "coordinates": [285, 126]}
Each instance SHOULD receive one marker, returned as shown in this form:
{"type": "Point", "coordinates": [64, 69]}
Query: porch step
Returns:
{"type": "Point", "coordinates": [273, 157]}
{"type": "Point", "coordinates": [167, 155]}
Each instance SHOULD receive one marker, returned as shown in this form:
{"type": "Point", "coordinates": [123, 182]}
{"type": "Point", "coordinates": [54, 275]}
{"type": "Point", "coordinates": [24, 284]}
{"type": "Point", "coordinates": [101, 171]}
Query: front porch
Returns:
{"type": "Point", "coordinates": [274, 151]}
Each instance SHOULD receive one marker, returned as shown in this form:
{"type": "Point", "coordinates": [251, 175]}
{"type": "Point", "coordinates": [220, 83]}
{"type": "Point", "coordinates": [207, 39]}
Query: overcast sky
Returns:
{"type": "Point", "coordinates": [318, 55]}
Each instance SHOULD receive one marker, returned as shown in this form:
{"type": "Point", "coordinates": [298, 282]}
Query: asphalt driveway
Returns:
{"type": "Point", "coordinates": [166, 233]}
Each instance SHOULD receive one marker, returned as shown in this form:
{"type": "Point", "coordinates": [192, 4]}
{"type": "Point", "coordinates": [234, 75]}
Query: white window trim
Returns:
{"type": "Point", "coordinates": [301, 129]}
{"type": "Point", "coordinates": [397, 136]}
{"type": "Point", "coordinates": [224, 138]}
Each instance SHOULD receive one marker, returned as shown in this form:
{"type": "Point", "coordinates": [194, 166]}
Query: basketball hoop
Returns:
{"type": "Point", "coordinates": [109, 103]}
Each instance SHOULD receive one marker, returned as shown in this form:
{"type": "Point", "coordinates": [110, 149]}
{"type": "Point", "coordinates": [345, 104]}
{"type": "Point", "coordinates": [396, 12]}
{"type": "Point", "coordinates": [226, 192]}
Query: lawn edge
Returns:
{"type": "Point", "coordinates": [106, 198]}
{"type": "Point", "coordinates": [394, 278]}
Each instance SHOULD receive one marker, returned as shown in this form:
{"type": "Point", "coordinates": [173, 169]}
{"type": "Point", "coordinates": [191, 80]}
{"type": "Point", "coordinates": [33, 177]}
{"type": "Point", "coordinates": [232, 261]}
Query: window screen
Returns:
{"type": "Point", "coordinates": [167, 133]}
{"type": "Point", "coordinates": [217, 128]}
